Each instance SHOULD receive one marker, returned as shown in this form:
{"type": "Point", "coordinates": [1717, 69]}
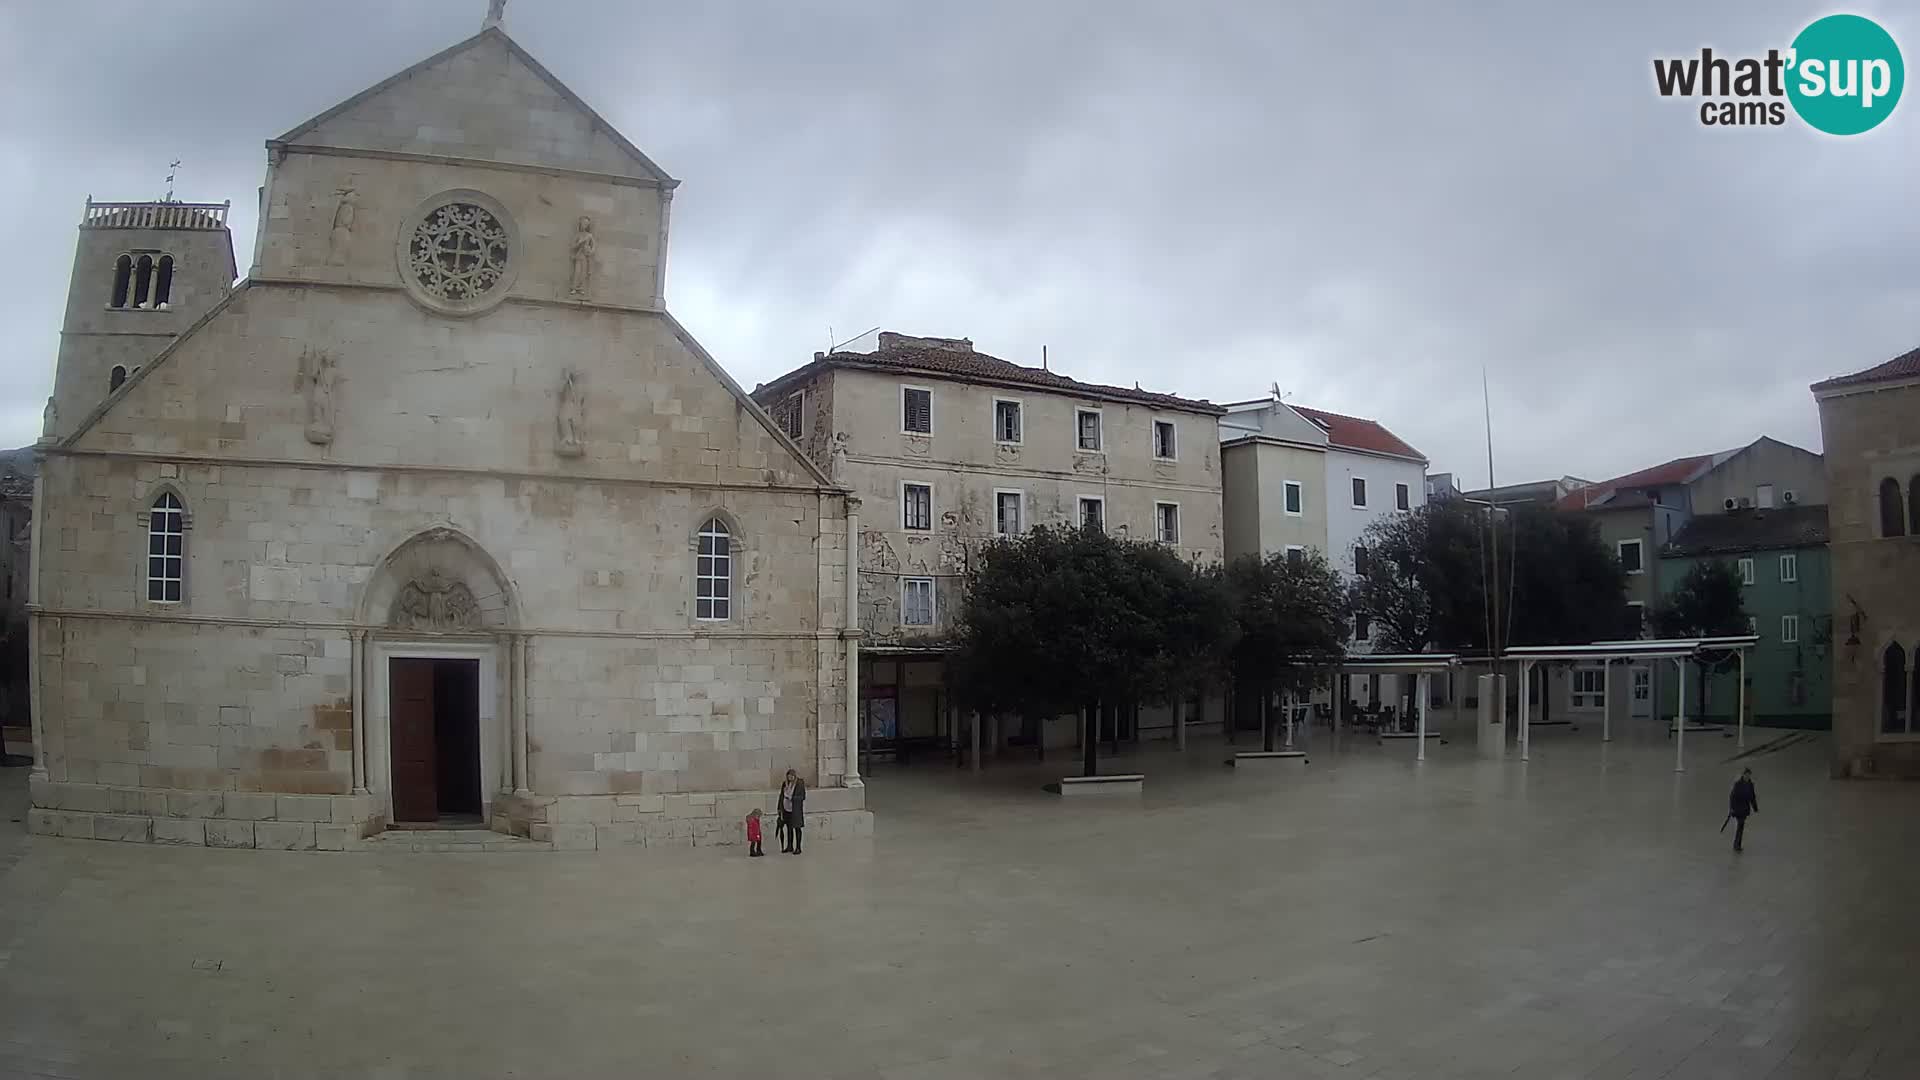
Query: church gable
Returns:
{"type": "Point", "coordinates": [291, 374]}
{"type": "Point", "coordinates": [486, 99]}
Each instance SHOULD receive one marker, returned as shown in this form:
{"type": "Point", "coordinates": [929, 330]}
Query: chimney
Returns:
{"type": "Point", "coordinates": [892, 340]}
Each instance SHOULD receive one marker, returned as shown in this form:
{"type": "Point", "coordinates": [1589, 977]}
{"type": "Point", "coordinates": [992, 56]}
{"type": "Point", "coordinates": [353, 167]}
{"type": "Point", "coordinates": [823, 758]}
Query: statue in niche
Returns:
{"type": "Point", "coordinates": [316, 381]}
{"type": "Point", "coordinates": [572, 418]}
{"type": "Point", "coordinates": [435, 603]}
{"type": "Point", "coordinates": [837, 467]}
{"type": "Point", "coordinates": [49, 420]}
{"type": "Point", "coordinates": [583, 244]}
{"type": "Point", "coordinates": [342, 234]}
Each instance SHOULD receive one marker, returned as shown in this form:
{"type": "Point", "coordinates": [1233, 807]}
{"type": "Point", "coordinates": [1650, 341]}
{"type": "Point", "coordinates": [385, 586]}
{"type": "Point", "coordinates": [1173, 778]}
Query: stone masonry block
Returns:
{"type": "Point", "coordinates": [247, 806]}
{"type": "Point", "coordinates": [284, 835]}
{"type": "Point", "coordinates": [70, 824]}
{"type": "Point", "coordinates": [681, 806]}
{"type": "Point", "coordinates": [645, 804]}
{"type": "Point", "coordinates": [230, 834]}
{"type": "Point", "coordinates": [351, 810]}
{"type": "Point", "coordinates": [196, 804]}
{"type": "Point", "coordinates": [137, 830]}
{"type": "Point", "coordinates": [180, 831]}
{"type": "Point", "coordinates": [303, 808]}
{"type": "Point", "coordinates": [573, 837]}
{"type": "Point", "coordinates": [589, 811]}
{"type": "Point", "coordinates": [335, 837]}
{"type": "Point", "coordinates": [86, 798]}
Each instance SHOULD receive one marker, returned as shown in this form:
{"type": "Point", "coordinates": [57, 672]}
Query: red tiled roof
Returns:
{"type": "Point", "coordinates": [1904, 366]}
{"type": "Point", "coordinates": [966, 364]}
{"type": "Point", "coordinates": [1355, 433]}
{"type": "Point", "coordinates": [1677, 471]}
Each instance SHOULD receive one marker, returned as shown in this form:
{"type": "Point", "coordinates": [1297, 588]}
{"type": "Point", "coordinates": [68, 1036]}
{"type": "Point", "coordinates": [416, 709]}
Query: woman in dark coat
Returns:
{"type": "Point", "coordinates": [793, 811]}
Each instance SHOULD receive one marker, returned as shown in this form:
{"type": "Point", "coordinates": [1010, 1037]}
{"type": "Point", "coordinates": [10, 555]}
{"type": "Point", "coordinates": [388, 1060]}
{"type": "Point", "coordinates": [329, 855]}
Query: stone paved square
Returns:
{"type": "Point", "coordinates": [1578, 916]}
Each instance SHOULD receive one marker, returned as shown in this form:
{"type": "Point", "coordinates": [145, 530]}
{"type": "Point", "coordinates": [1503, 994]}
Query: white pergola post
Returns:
{"type": "Point", "coordinates": [1680, 720]}
{"type": "Point", "coordinates": [1606, 698]}
{"type": "Point", "coordinates": [1741, 742]}
{"type": "Point", "coordinates": [1526, 711]}
{"type": "Point", "coordinates": [1339, 697]}
{"type": "Point", "coordinates": [1422, 686]}
{"type": "Point", "coordinates": [973, 723]}
{"type": "Point", "coordinates": [1180, 723]}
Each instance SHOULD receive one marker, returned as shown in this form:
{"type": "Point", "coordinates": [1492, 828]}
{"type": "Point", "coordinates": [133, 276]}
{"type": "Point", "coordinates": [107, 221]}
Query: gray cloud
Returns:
{"type": "Point", "coordinates": [1365, 203]}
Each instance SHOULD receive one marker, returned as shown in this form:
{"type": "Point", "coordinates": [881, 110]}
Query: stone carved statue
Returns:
{"type": "Point", "coordinates": [583, 245]}
{"type": "Point", "coordinates": [49, 420]}
{"type": "Point", "coordinates": [342, 233]}
{"type": "Point", "coordinates": [572, 418]}
{"type": "Point", "coordinates": [837, 463]}
{"type": "Point", "coordinates": [316, 381]}
{"type": "Point", "coordinates": [435, 603]}
{"type": "Point", "coordinates": [496, 11]}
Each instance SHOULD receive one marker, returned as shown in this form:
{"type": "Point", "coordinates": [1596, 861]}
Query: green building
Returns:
{"type": "Point", "coordinates": [1781, 555]}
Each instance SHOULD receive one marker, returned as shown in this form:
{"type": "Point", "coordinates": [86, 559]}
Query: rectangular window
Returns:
{"type": "Point", "coordinates": [1163, 447]}
{"type": "Point", "coordinates": [1296, 555]}
{"type": "Point", "coordinates": [1589, 688]}
{"type": "Point", "coordinates": [1006, 512]}
{"type": "Point", "coordinates": [1636, 624]}
{"type": "Point", "coordinates": [1360, 562]}
{"type": "Point", "coordinates": [1642, 684]}
{"type": "Point", "coordinates": [166, 549]}
{"type": "Point", "coordinates": [1630, 556]}
{"type": "Point", "coordinates": [916, 601]}
{"type": "Point", "coordinates": [1295, 503]}
{"type": "Point", "coordinates": [1362, 626]}
{"type": "Point", "coordinates": [1796, 688]}
{"type": "Point", "coordinates": [1359, 491]}
{"type": "Point", "coordinates": [1753, 625]}
{"type": "Point", "coordinates": [1093, 513]}
{"type": "Point", "coordinates": [713, 580]}
{"type": "Point", "coordinates": [1006, 421]}
{"type": "Point", "coordinates": [792, 415]}
{"type": "Point", "coordinates": [1166, 518]}
{"type": "Point", "coordinates": [1789, 568]}
{"type": "Point", "coordinates": [1402, 497]}
{"type": "Point", "coordinates": [916, 507]}
{"type": "Point", "coordinates": [1746, 571]}
{"type": "Point", "coordinates": [916, 410]}
{"type": "Point", "coordinates": [1790, 629]}
{"type": "Point", "coordinates": [1087, 422]}
{"type": "Point", "coordinates": [1763, 496]}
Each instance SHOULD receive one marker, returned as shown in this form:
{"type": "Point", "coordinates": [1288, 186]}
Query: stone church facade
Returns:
{"type": "Point", "coordinates": [436, 517]}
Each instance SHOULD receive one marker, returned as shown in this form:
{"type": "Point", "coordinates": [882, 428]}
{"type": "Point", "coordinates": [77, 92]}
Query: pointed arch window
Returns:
{"type": "Point", "coordinates": [1893, 518]}
{"type": "Point", "coordinates": [166, 549]}
{"type": "Point", "coordinates": [713, 582]}
{"type": "Point", "coordinates": [115, 377]}
{"type": "Point", "coordinates": [143, 282]}
{"type": "Point", "coordinates": [1894, 717]}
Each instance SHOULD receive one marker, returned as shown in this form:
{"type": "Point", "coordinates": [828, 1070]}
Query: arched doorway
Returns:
{"type": "Point", "coordinates": [438, 679]}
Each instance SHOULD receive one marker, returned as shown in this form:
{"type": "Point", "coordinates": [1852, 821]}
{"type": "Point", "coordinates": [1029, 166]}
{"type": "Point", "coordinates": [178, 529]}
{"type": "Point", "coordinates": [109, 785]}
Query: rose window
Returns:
{"type": "Point", "coordinates": [458, 252]}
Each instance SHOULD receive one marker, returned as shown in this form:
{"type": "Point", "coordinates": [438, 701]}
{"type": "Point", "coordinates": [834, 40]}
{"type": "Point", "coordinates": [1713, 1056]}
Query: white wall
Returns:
{"type": "Point", "coordinates": [1347, 523]}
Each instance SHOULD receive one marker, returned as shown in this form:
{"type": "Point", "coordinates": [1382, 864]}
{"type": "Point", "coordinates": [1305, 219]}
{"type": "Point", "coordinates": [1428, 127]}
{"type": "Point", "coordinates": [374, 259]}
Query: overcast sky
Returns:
{"type": "Point", "coordinates": [1363, 202]}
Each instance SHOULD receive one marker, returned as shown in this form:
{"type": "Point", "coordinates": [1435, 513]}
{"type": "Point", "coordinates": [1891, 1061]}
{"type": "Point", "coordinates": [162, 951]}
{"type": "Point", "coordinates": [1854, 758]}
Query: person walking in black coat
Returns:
{"type": "Point", "coordinates": [1741, 802]}
{"type": "Point", "coordinates": [793, 811]}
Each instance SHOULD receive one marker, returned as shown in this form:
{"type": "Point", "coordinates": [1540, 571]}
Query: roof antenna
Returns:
{"type": "Point", "coordinates": [1043, 359]}
{"type": "Point", "coordinates": [172, 167]}
{"type": "Point", "coordinates": [1277, 395]}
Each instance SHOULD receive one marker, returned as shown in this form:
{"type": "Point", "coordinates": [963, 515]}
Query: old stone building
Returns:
{"type": "Point", "coordinates": [437, 517]}
{"type": "Point", "coordinates": [1870, 425]}
{"type": "Point", "coordinates": [946, 448]}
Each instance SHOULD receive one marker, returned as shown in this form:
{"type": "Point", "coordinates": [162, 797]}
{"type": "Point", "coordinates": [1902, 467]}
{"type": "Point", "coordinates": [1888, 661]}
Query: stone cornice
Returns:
{"type": "Point", "coordinates": [381, 631]}
{"type": "Point", "coordinates": [209, 460]}
{"type": "Point", "coordinates": [290, 281]}
{"type": "Point", "coordinates": [588, 176]}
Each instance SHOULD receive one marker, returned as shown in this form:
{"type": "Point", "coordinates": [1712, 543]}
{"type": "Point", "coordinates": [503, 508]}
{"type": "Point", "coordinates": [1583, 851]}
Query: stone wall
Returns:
{"type": "Point", "coordinates": [1868, 435]}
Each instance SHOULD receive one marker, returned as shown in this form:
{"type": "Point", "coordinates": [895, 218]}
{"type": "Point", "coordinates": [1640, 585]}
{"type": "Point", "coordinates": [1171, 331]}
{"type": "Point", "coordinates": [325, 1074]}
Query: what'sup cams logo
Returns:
{"type": "Point", "coordinates": [1842, 75]}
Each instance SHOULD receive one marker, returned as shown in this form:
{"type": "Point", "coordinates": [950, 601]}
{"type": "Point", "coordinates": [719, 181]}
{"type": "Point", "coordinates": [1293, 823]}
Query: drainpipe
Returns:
{"type": "Point", "coordinates": [851, 633]}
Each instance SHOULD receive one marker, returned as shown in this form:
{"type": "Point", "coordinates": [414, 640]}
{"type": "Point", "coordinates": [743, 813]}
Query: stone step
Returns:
{"type": "Point", "coordinates": [450, 840]}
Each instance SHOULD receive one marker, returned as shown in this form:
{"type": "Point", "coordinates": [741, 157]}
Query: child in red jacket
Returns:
{"type": "Point", "coordinates": [753, 833]}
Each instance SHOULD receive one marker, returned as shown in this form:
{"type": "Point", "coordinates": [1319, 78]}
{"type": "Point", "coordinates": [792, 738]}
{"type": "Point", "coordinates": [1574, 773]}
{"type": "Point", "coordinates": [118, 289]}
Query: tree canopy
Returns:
{"type": "Point", "coordinates": [1290, 613]}
{"type": "Point", "coordinates": [1424, 585]}
{"type": "Point", "coordinates": [1060, 618]}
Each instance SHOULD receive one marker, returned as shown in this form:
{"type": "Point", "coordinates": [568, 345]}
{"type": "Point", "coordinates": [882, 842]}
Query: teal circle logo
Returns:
{"type": "Point", "coordinates": [1846, 74]}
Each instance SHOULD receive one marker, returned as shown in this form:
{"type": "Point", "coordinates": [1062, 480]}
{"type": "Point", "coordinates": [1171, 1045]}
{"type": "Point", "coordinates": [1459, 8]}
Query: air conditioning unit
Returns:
{"type": "Point", "coordinates": [1729, 504]}
{"type": "Point", "coordinates": [1788, 497]}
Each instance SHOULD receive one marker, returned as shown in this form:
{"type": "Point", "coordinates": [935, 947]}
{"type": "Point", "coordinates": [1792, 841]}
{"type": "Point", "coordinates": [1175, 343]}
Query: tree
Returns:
{"type": "Point", "coordinates": [1707, 602]}
{"type": "Point", "coordinates": [1291, 617]}
{"type": "Point", "coordinates": [1395, 588]}
{"type": "Point", "coordinates": [1064, 619]}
